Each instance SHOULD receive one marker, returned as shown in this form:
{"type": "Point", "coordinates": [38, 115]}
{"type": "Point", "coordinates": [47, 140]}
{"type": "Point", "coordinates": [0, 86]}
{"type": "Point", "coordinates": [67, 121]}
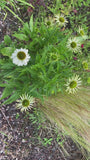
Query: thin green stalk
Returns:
{"type": "Point", "coordinates": [25, 3]}
{"type": "Point", "coordinates": [14, 14]}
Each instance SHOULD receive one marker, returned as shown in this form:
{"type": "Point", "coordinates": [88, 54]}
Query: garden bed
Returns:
{"type": "Point", "coordinates": [21, 138]}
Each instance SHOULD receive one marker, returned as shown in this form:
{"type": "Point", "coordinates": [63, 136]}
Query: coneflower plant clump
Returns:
{"type": "Point", "coordinates": [40, 63]}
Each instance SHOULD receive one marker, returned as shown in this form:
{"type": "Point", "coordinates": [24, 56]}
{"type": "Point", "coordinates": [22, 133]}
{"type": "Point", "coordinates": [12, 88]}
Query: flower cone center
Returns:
{"type": "Point", "coordinates": [73, 84]}
{"type": "Point", "coordinates": [85, 65]}
{"type": "Point", "coordinates": [61, 19]}
{"type": "Point", "coordinates": [82, 32]}
{"type": "Point", "coordinates": [25, 103]}
{"type": "Point", "coordinates": [54, 57]}
{"type": "Point", "coordinates": [73, 44]}
{"type": "Point", "coordinates": [21, 55]}
{"type": "Point", "coordinates": [48, 23]}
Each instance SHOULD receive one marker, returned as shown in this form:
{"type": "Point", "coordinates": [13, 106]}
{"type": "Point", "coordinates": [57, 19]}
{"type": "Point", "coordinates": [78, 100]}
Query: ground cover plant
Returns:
{"type": "Point", "coordinates": [48, 63]}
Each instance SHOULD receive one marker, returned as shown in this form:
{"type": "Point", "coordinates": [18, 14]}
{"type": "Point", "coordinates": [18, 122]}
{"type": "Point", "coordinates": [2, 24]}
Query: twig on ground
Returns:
{"type": "Point", "coordinates": [6, 119]}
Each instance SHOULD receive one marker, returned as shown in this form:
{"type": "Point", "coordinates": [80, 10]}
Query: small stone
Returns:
{"type": "Point", "coordinates": [24, 141]}
{"type": "Point", "coordinates": [1, 115]}
{"type": "Point", "coordinates": [1, 151]}
{"type": "Point", "coordinates": [1, 125]}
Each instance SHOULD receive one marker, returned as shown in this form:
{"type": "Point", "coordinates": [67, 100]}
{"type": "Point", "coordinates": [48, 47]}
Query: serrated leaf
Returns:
{"type": "Point", "coordinates": [12, 98]}
{"type": "Point", "coordinates": [7, 51]}
{"type": "Point", "coordinates": [6, 93]}
{"type": "Point", "coordinates": [82, 38]}
{"type": "Point", "coordinates": [88, 80]}
{"type": "Point", "coordinates": [21, 36]}
{"type": "Point", "coordinates": [7, 40]}
{"type": "Point", "coordinates": [31, 23]}
{"type": "Point", "coordinates": [25, 3]}
{"type": "Point", "coordinates": [26, 28]}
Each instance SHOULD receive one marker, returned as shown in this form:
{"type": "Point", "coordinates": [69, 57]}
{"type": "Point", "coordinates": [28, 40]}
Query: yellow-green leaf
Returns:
{"type": "Point", "coordinates": [7, 51]}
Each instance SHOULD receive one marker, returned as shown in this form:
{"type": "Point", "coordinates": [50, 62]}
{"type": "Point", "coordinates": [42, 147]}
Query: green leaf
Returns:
{"type": "Point", "coordinates": [25, 3]}
{"type": "Point", "coordinates": [7, 91]}
{"type": "Point", "coordinates": [7, 40]}
{"type": "Point", "coordinates": [26, 29]}
{"type": "Point", "coordinates": [88, 80]}
{"type": "Point", "coordinates": [21, 36]}
{"type": "Point", "coordinates": [31, 23]}
{"type": "Point", "coordinates": [82, 38]}
{"type": "Point", "coordinates": [7, 51]}
{"type": "Point", "coordinates": [3, 4]}
{"type": "Point", "coordinates": [12, 98]}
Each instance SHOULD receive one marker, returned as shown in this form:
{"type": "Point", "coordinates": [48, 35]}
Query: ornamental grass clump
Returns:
{"type": "Point", "coordinates": [71, 113]}
{"type": "Point", "coordinates": [39, 65]}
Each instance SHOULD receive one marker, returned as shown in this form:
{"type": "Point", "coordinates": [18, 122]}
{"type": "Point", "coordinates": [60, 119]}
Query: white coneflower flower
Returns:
{"type": "Point", "coordinates": [25, 103]}
{"type": "Point", "coordinates": [20, 57]}
{"type": "Point", "coordinates": [60, 19]}
{"type": "Point", "coordinates": [73, 84]}
{"type": "Point", "coordinates": [74, 45]}
{"type": "Point", "coordinates": [49, 21]}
